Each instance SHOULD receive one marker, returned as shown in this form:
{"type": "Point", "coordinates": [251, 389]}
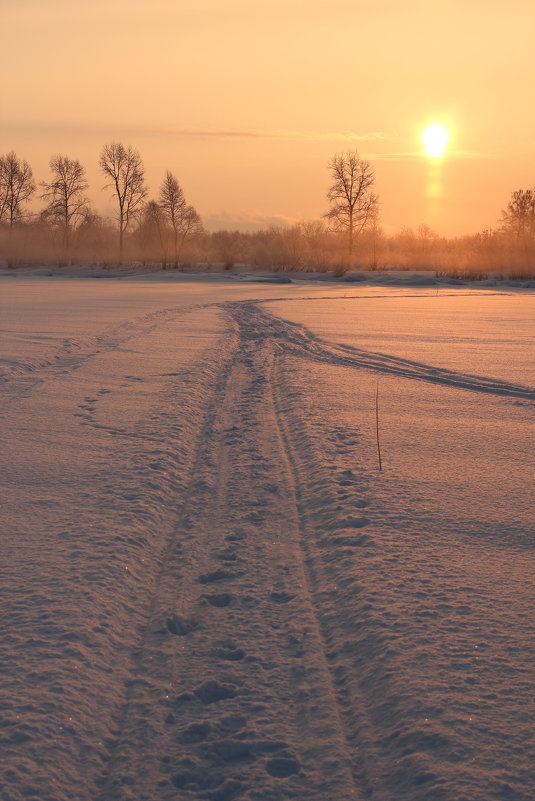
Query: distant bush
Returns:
{"type": "Point", "coordinates": [304, 247]}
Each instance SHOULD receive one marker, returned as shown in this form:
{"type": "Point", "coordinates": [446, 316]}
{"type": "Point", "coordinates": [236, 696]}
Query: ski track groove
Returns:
{"type": "Point", "coordinates": [340, 688]}
{"type": "Point", "coordinates": [297, 339]}
{"type": "Point", "coordinates": [20, 378]}
{"type": "Point", "coordinates": [244, 384]}
{"type": "Point", "coordinates": [311, 575]}
{"type": "Point", "coordinates": [154, 617]}
{"type": "Point", "coordinates": [315, 505]}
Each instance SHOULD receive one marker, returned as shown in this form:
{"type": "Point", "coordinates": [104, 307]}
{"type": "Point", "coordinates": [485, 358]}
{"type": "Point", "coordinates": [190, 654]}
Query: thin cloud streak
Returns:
{"type": "Point", "coordinates": [420, 156]}
{"type": "Point", "coordinates": [199, 133]}
{"type": "Point", "coordinates": [115, 132]}
{"type": "Point", "coordinates": [306, 136]}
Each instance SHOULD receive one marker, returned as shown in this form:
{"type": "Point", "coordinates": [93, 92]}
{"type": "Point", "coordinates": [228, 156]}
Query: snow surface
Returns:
{"type": "Point", "coordinates": [207, 588]}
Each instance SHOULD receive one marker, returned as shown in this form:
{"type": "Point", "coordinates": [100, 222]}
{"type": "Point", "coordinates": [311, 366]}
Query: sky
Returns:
{"type": "Point", "coordinates": [246, 101]}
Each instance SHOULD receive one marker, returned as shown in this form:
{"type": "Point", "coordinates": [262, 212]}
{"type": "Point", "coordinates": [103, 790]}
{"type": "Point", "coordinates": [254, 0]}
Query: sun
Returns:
{"type": "Point", "coordinates": [435, 138]}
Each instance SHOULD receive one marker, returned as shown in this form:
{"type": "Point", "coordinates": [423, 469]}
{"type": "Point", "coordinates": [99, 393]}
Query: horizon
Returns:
{"type": "Point", "coordinates": [247, 105]}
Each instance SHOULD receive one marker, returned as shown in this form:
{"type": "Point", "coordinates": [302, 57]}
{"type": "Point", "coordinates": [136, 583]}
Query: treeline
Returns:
{"type": "Point", "coordinates": [68, 228]}
{"type": "Point", "coordinates": [167, 232]}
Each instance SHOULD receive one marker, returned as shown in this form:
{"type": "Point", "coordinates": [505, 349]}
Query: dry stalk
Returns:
{"type": "Point", "coordinates": [377, 426]}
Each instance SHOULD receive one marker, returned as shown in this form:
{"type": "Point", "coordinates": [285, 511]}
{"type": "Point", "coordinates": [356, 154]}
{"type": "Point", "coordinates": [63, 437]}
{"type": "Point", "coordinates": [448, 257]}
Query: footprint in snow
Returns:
{"type": "Point", "coordinates": [220, 600]}
{"type": "Point", "coordinates": [282, 767]}
{"type": "Point", "coordinates": [194, 776]}
{"type": "Point", "coordinates": [236, 537]}
{"type": "Point", "coordinates": [353, 522]}
{"type": "Point", "coordinates": [281, 597]}
{"type": "Point", "coordinates": [215, 576]}
{"type": "Point", "coordinates": [228, 555]}
{"type": "Point", "coordinates": [347, 477]}
{"type": "Point", "coordinates": [229, 790]}
{"type": "Point", "coordinates": [195, 733]}
{"type": "Point", "coordinates": [211, 692]}
{"type": "Point", "coordinates": [229, 653]}
{"type": "Point", "coordinates": [180, 625]}
{"type": "Point", "coordinates": [353, 542]}
{"type": "Point", "coordinates": [231, 751]}
{"type": "Point", "coordinates": [232, 723]}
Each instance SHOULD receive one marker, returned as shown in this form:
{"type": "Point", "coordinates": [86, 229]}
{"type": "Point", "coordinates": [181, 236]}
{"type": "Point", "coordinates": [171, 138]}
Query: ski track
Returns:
{"type": "Point", "coordinates": [233, 652]}
{"type": "Point", "coordinates": [18, 378]}
{"type": "Point", "coordinates": [245, 674]}
{"type": "Point", "coordinates": [296, 339]}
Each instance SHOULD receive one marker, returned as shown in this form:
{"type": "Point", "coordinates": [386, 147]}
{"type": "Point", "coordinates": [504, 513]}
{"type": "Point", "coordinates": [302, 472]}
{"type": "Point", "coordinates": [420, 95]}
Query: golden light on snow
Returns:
{"type": "Point", "coordinates": [435, 138]}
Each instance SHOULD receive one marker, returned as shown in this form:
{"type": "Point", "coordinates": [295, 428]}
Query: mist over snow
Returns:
{"type": "Point", "coordinates": [208, 590]}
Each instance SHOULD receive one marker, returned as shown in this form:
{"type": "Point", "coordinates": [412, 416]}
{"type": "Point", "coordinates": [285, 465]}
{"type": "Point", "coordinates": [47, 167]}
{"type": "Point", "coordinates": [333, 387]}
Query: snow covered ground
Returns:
{"type": "Point", "coordinates": [207, 588]}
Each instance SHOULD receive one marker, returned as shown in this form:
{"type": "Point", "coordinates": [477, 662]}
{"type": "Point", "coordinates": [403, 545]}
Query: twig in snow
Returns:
{"type": "Point", "coordinates": [377, 426]}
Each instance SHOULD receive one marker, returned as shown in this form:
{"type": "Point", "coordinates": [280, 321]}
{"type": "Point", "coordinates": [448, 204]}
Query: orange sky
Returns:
{"type": "Point", "coordinates": [246, 100]}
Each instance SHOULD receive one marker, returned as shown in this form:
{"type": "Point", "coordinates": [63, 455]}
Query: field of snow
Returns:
{"type": "Point", "coordinates": [207, 588]}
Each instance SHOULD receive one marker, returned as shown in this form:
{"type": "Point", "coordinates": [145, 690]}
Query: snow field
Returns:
{"type": "Point", "coordinates": [208, 589]}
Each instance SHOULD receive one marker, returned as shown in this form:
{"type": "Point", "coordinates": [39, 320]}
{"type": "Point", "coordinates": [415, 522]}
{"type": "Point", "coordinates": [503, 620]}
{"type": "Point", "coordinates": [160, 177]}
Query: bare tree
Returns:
{"type": "Point", "coordinates": [228, 247]}
{"type": "Point", "coordinates": [354, 206]}
{"type": "Point", "coordinates": [124, 167]}
{"type": "Point", "coordinates": [67, 202]}
{"type": "Point", "coordinates": [519, 216]}
{"type": "Point", "coordinates": [183, 219]}
{"type": "Point", "coordinates": [16, 187]}
{"type": "Point", "coordinates": [153, 229]}
{"type": "Point", "coordinates": [95, 237]}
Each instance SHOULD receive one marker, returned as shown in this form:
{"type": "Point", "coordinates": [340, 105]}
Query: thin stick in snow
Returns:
{"type": "Point", "coordinates": [377, 425]}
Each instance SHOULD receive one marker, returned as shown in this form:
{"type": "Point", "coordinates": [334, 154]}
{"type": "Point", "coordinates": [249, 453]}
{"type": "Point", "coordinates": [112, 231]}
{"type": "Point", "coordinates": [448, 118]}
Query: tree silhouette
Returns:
{"type": "Point", "coordinates": [354, 206]}
{"type": "Point", "coordinates": [519, 216]}
{"type": "Point", "coordinates": [183, 219]}
{"type": "Point", "coordinates": [125, 169]}
{"type": "Point", "coordinates": [16, 187]}
{"type": "Point", "coordinates": [67, 202]}
{"type": "Point", "coordinates": [153, 228]}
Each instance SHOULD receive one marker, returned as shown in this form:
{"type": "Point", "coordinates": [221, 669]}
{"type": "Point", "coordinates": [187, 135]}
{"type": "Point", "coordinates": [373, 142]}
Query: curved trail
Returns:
{"type": "Point", "coordinates": [298, 340]}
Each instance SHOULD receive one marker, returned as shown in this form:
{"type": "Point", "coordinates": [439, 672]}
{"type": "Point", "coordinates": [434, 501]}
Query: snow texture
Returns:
{"type": "Point", "coordinates": [209, 591]}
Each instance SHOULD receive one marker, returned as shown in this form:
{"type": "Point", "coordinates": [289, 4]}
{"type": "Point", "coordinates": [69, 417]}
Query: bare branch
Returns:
{"type": "Point", "coordinates": [182, 218]}
{"type": "Point", "coordinates": [354, 206]}
{"type": "Point", "coordinates": [124, 167]}
{"type": "Point", "coordinates": [67, 204]}
{"type": "Point", "coordinates": [519, 217]}
{"type": "Point", "coordinates": [16, 187]}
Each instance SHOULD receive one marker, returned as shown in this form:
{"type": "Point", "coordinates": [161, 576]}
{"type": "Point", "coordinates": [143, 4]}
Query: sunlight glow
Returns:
{"type": "Point", "coordinates": [435, 138]}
